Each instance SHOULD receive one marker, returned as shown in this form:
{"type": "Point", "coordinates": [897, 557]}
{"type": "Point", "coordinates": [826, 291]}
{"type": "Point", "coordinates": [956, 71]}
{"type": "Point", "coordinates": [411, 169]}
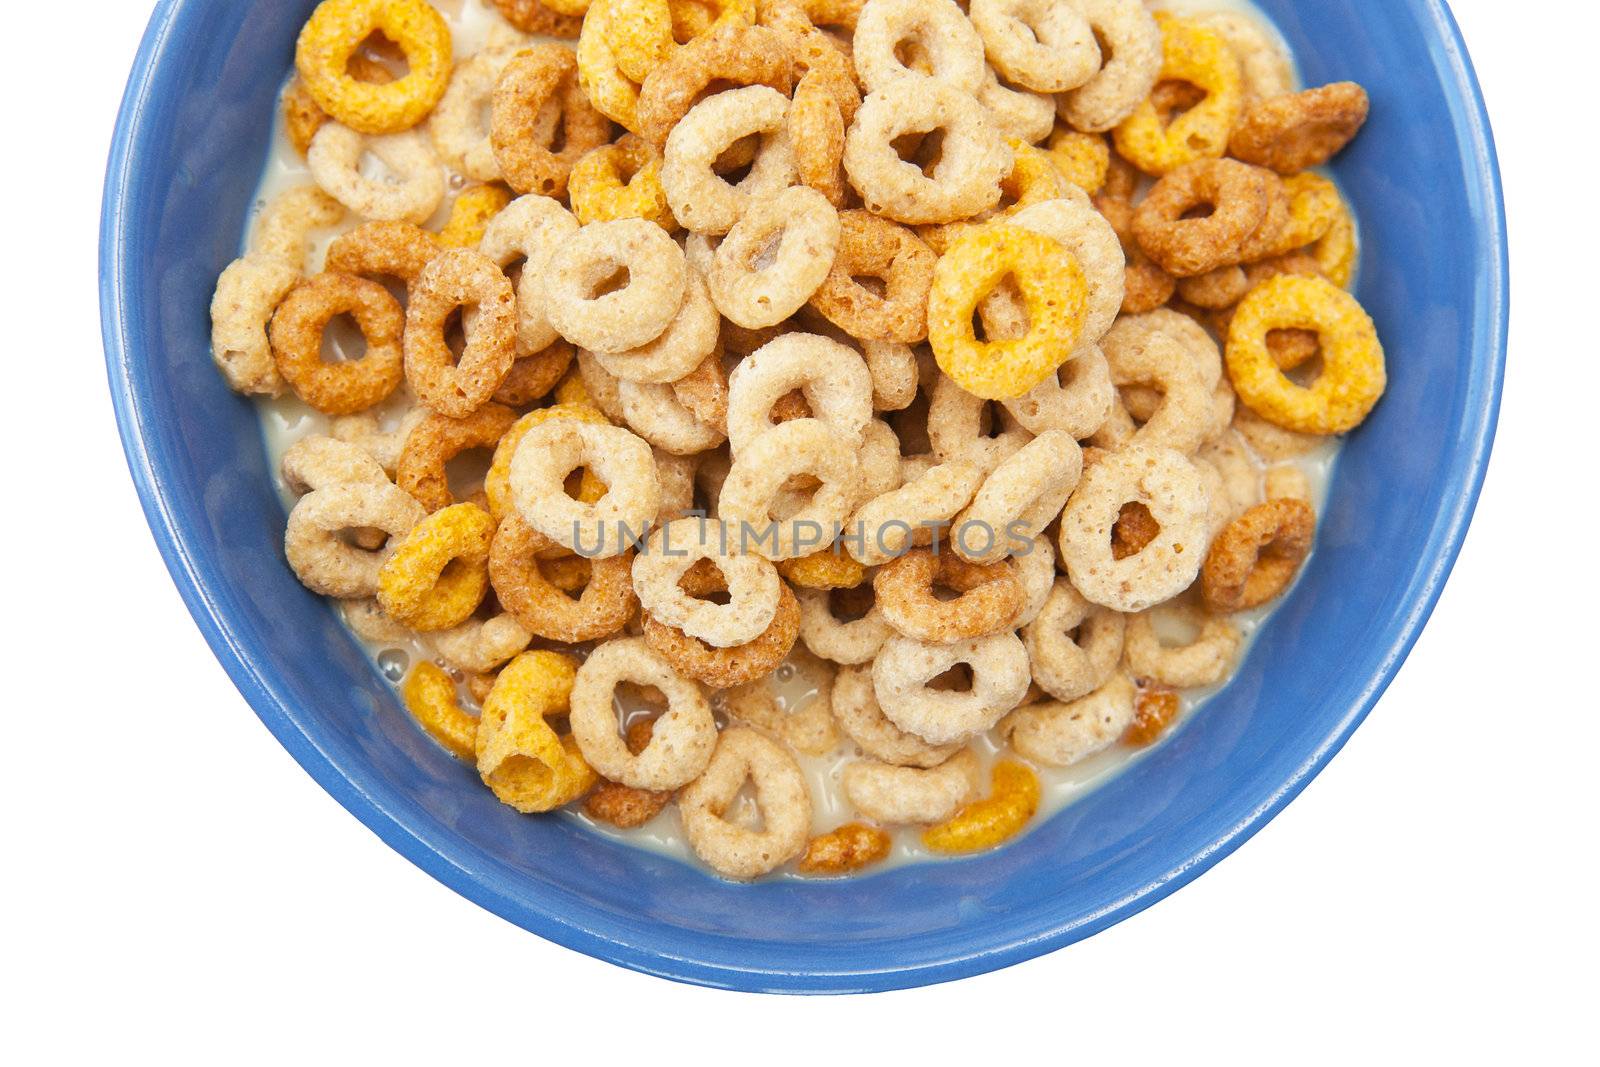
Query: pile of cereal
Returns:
{"type": "Point", "coordinates": [883, 327]}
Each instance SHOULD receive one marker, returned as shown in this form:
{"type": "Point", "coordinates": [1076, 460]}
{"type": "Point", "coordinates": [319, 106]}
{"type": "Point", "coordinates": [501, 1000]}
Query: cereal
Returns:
{"type": "Point", "coordinates": [1296, 131]}
{"type": "Point", "coordinates": [437, 573]}
{"type": "Point", "coordinates": [1085, 233]}
{"type": "Point", "coordinates": [987, 823]}
{"type": "Point", "coordinates": [751, 582]}
{"type": "Point", "coordinates": [888, 793]}
{"type": "Point", "coordinates": [248, 291]}
{"type": "Point", "coordinates": [436, 440]}
{"type": "Point", "coordinates": [545, 74]}
{"type": "Point", "coordinates": [482, 645]}
{"type": "Point", "coordinates": [703, 392]}
{"type": "Point", "coordinates": [1237, 195]}
{"type": "Point", "coordinates": [1025, 116]}
{"type": "Point", "coordinates": [943, 40]}
{"type": "Point", "coordinates": [530, 229]}
{"type": "Point", "coordinates": [893, 368]}
{"type": "Point", "coordinates": [1257, 555]}
{"type": "Point", "coordinates": [733, 850]}
{"type": "Point", "coordinates": [809, 730]}
{"type": "Point", "coordinates": [844, 850]}
{"type": "Point", "coordinates": [366, 432]}
{"type": "Point", "coordinates": [611, 92]}
{"type": "Point", "coordinates": [1336, 251]}
{"type": "Point", "coordinates": [554, 449]}
{"type": "Point", "coordinates": [760, 468]}
{"type": "Point", "coordinates": [620, 181]}
{"type": "Point", "coordinates": [684, 735]}
{"type": "Point", "coordinates": [1133, 39]}
{"type": "Point", "coordinates": [701, 199]}
{"type": "Point", "coordinates": [519, 756]}
{"type": "Point", "coordinates": [1022, 496]}
{"type": "Point", "coordinates": [1181, 419]}
{"type": "Point", "coordinates": [338, 27]}
{"type": "Point", "coordinates": [335, 158]}
{"type": "Point", "coordinates": [317, 462]}
{"type": "Point", "coordinates": [582, 307]}
{"type": "Point", "coordinates": [848, 641]}
{"type": "Point", "coordinates": [774, 257]}
{"type": "Point", "coordinates": [1082, 158]}
{"type": "Point", "coordinates": [285, 226]}
{"type": "Point", "coordinates": [728, 56]}
{"type": "Point", "coordinates": [430, 696]}
{"type": "Point", "coordinates": [873, 247]}
{"type": "Point", "coordinates": [1199, 57]}
{"type": "Point", "coordinates": [1266, 69]}
{"type": "Point", "coordinates": [821, 109]}
{"type": "Point", "coordinates": [459, 278]}
{"type": "Point", "coordinates": [296, 334]}
{"type": "Point", "coordinates": [724, 668]}
{"type": "Point", "coordinates": [1073, 645]}
{"type": "Point", "coordinates": [904, 668]}
{"type": "Point", "coordinates": [856, 711]}
{"type": "Point", "coordinates": [460, 133]}
{"type": "Point", "coordinates": [531, 377]}
{"type": "Point", "coordinates": [960, 429]}
{"type": "Point", "coordinates": [470, 215]}
{"type": "Point", "coordinates": [989, 596]}
{"type": "Point", "coordinates": [559, 18]}
{"type": "Point", "coordinates": [322, 560]}
{"type": "Point", "coordinates": [1352, 378]}
{"type": "Point", "coordinates": [524, 589]}
{"type": "Point", "coordinates": [1040, 45]}
{"type": "Point", "coordinates": [1059, 734]}
{"type": "Point", "coordinates": [656, 414]}
{"type": "Point", "coordinates": [832, 377]}
{"type": "Point", "coordinates": [383, 249]}
{"type": "Point", "coordinates": [623, 806]}
{"type": "Point", "coordinates": [1076, 400]}
{"type": "Point", "coordinates": [1205, 659]}
{"type": "Point", "coordinates": [828, 569]}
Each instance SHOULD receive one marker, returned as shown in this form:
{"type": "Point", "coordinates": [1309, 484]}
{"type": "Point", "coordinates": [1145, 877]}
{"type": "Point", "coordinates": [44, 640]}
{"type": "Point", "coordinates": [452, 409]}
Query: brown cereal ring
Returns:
{"type": "Point", "coordinates": [535, 77]}
{"type": "Point", "coordinates": [808, 730]}
{"type": "Point", "coordinates": [550, 451]}
{"type": "Point", "coordinates": [701, 199]}
{"type": "Point", "coordinates": [471, 213]}
{"type": "Point", "coordinates": [1219, 288]}
{"type": "Point", "coordinates": [296, 334]}
{"type": "Point", "coordinates": [934, 29]}
{"type": "Point", "coordinates": [904, 669]}
{"type": "Point", "coordinates": [531, 16]}
{"type": "Point", "coordinates": [989, 596]}
{"type": "Point", "coordinates": [1040, 45]}
{"type": "Point", "coordinates": [730, 848]}
{"type": "Point", "coordinates": [1205, 659]}
{"type": "Point", "coordinates": [1238, 196]}
{"type": "Point", "coordinates": [972, 158]}
{"type": "Point", "coordinates": [588, 313]}
{"type": "Point", "coordinates": [873, 247]}
{"type": "Point", "coordinates": [284, 226]}
{"type": "Point", "coordinates": [1059, 734]}
{"type": "Point", "coordinates": [248, 291]}
{"type": "Point", "coordinates": [848, 641]}
{"type": "Point", "coordinates": [827, 569]}
{"type": "Point", "coordinates": [898, 794]}
{"type": "Point", "coordinates": [383, 250]}
{"type": "Point", "coordinates": [1145, 285]}
{"type": "Point", "coordinates": [323, 561]}
{"type": "Point", "coordinates": [855, 709]}
{"type": "Point", "coordinates": [1199, 57]}
{"type": "Point", "coordinates": [531, 377]}
{"type": "Point", "coordinates": [752, 583]}
{"type": "Point", "coordinates": [603, 608]}
{"type": "Point", "coordinates": [1258, 554]}
{"type": "Point", "coordinates": [436, 440]}
{"type": "Point", "coordinates": [436, 575]}
{"type": "Point", "coordinates": [1077, 399]}
{"type": "Point", "coordinates": [684, 735]}
{"type": "Point", "coordinates": [727, 57]}
{"type": "Point", "coordinates": [1125, 30]}
{"type": "Point", "coordinates": [335, 158]}
{"type": "Point", "coordinates": [1297, 131]}
{"type": "Point", "coordinates": [845, 850]}
{"type": "Point", "coordinates": [459, 278]}
{"type": "Point", "coordinates": [1082, 158]}
{"type": "Point", "coordinates": [530, 229]}
{"type": "Point", "coordinates": [1022, 496]}
{"type": "Point", "coordinates": [704, 392]}
{"type": "Point", "coordinates": [774, 257]}
{"type": "Point", "coordinates": [620, 181]}
{"type": "Point", "coordinates": [724, 668]}
{"type": "Point", "coordinates": [1073, 646]}
{"type": "Point", "coordinates": [329, 41]}
{"type": "Point", "coordinates": [833, 378]}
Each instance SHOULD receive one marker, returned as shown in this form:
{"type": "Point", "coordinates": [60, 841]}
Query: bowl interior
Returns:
{"type": "Point", "coordinates": [190, 146]}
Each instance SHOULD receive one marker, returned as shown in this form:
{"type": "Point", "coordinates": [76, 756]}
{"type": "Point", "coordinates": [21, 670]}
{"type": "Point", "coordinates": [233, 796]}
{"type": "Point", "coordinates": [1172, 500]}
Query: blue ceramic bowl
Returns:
{"type": "Point", "coordinates": [188, 149]}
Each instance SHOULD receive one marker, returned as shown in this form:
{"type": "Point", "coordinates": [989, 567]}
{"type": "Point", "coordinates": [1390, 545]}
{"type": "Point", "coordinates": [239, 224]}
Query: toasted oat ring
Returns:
{"type": "Point", "coordinates": [481, 646]}
{"type": "Point", "coordinates": [1297, 131]}
{"type": "Point", "coordinates": [599, 388]}
{"type": "Point", "coordinates": [376, 250]}
{"type": "Point", "coordinates": [1016, 113]}
{"type": "Point", "coordinates": [285, 225]}
{"type": "Point", "coordinates": [655, 413]}
{"type": "Point", "coordinates": [808, 729]}
{"type": "Point", "coordinates": [703, 392]}
{"type": "Point", "coordinates": [1040, 45]}
{"type": "Point", "coordinates": [436, 440]}
{"type": "Point", "coordinates": [728, 56]}
{"type": "Point", "coordinates": [1022, 496]}
{"type": "Point", "coordinates": [701, 199]}
{"type": "Point", "coordinates": [840, 641]}
{"type": "Point", "coordinates": [817, 123]}
{"type": "Point", "coordinates": [944, 39]}
{"type": "Point", "coordinates": [593, 317]}
{"type": "Point", "coordinates": [316, 462]}
{"type": "Point", "coordinates": [248, 291]}
{"type": "Point", "coordinates": [989, 596]}
{"type": "Point", "coordinates": [752, 583]}
{"type": "Point", "coordinates": [552, 450]}
{"type": "Point", "coordinates": [337, 29]}
{"type": "Point", "coordinates": [532, 377]}
{"type": "Point", "coordinates": [959, 428]}
{"type": "Point", "coordinates": [774, 257]}
{"type": "Point", "coordinates": [497, 481]}
{"type": "Point", "coordinates": [756, 479]}
{"type": "Point", "coordinates": [1059, 734]}
{"type": "Point", "coordinates": [893, 367]}
{"type": "Point", "coordinates": [973, 159]}
{"type": "Point", "coordinates": [1077, 399]}
{"type": "Point", "coordinates": [459, 278]}
{"type": "Point", "coordinates": [1171, 488]}
{"type": "Point", "coordinates": [904, 667]}
{"type": "Point", "coordinates": [529, 229]}
{"type": "Point", "coordinates": [560, 18]}
{"type": "Point", "coordinates": [460, 134]}
{"type": "Point", "coordinates": [519, 755]}
{"type": "Point", "coordinates": [436, 575]}
{"type": "Point", "coordinates": [335, 160]}
{"type": "Point", "coordinates": [1257, 555]}
{"type": "Point", "coordinates": [897, 795]}
{"type": "Point", "coordinates": [1238, 196]}
{"type": "Point", "coordinates": [874, 247]}
{"type": "Point", "coordinates": [732, 850]}
{"type": "Point", "coordinates": [471, 213]}
{"type": "Point", "coordinates": [536, 77]}
{"type": "Point", "coordinates": [1053, 290]}
{"type": "Point", "coordinates": [889, 524]}
{"type": "Point", "coordinates": [620, 181]}
{"type": "Point", "coordinates": [1133, 38]}
{"type": "Point", "coordinates": [682, 740]}
{"type": "Point", "coordinates": [1206, 659]}
{"type": "Point", "coordinates": [296, 334]}
{"type": "Point", "coordinates": [1182, 416]}
{"type": "Point", "coordinates": [324, 562]}
{"type": "Point", "coordinates": [724, 668]}
{"type": "Point", "coordinates": [688, 342]}
{"type": "Point", "coordinates": [610, 91]}
{"type": "Point", "coordinates": [832, 377]}
{"type": "Point", "coordinates": [855, 709]}
{"type": "Point", "coordinates": [1193, 54]}
{"type": "Point", "coordinates": [602, 609]}
{"type": "Point", "coordinates": [1353, 375]}
{"type": "Point", "coordinates": [430, 696]}
{"type": "Point", "coordinates": [1073, 645]}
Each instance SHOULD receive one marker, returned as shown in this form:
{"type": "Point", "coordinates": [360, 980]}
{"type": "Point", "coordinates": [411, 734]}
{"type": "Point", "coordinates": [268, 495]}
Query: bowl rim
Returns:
{"type": "Point", "coordinates": [451, 863]}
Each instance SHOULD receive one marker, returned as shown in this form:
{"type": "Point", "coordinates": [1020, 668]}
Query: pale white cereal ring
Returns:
{"type": "Point", "coordinates": [774, 257]}
{"type": "Point", "coordinates": [601, 319]}
{"type": "Point", "coordinates": [248, 292]}
{"type": "Point", "coordinates": [1036, 571]}
{"type": "Point", "coordinates": [1073, 645]}
{"type": "Point", "coordinates": [370, 622]}
{"type": "Point", "coordinates": [801, 447]}
{"type": "Point", "coordinates": [459, 123]}
{"type": "Point", "coordinates": [972, 156]}
{"type": "Point", "coordinates": [1084, 232]}
{"type": "Point", "coordinates": [1130, 34]}
{"type": "Point", "coordinates": [1060, 734]}
{"type": "Point", "coordinates": [321, 559]}
{"type": "Point", "coordinates": [365, 431]}
{"type": "Point", "coordinates": [878, 463]}
{"type": "Point", "coordinates": [1287, 482]}
{"type": "Point", "coordinates": [736, 851]}
{"type": "Point", "coordinates": [689, 338]}
{"type": "Point", "coordinates": [604, 389]}
{"type": "Point", "coordinates": [891, 794]}
{"type": "Point", "coordinates": [958, 428]}
{"type": "Point", "coordinates": [550, 451]}
{"type": "Point", "coordinates": [1028, 117]}
{"type": "Point", "coordinates": [530, 229]}
{"type": "Point", "coordinates": [1170, 486]}
{"type": "Point", "coordinates": [904, 667]}
{"type": "Point", "coordinates": [318, 461]}
{"type": "Point", "coordinates": [1135, 330]}
{"type": "Point", "coordinates": [481, 645]}
{"type": "Point", "coordinates": [285, 226]}
{"type": "Point", "coordinates": [833, 378]}
{"type": "Point", "coordinates": [415, 193]}
{"type": "Point", "coordinates": [1077, 399]}
{"type": "Point", "coordinates": [895, 522]}
{"type": "Point", "coordinates": [684, 735]}
{"type": "Point", "coordinates": [855, 708]}
{"type": "Point", "coordinates": [943, 37]}
{"type": "Point", "coordinates": [893, 367]}
{"type": "Point", "coordinates": [1043, 45]}
{"type": "Point", "coordinates": [1206, 660]}
{"type": "Point", "coordinates": [1022, 496]}
{"type": "Point", "coordinates": [808, 730]}
{"type": "Point", "coordinates": [1241, 477]}
{"type": "Point", "coordinates": [848, 642]}
{"type": "Point", "coordinates": [676, 477]}
{"type": "Point", "coordinates": [1267, 69]}
{"type": "Point", "coordinates": [701, 199]}
{"type": "Point", "coordinates": [1183, 417]}
{"type": "Point", "coordinates": [1271, 441]}
{"type": "Point", "coordinates": [752, 583]}
{"type": "Point", "coordinates": [655, 413]}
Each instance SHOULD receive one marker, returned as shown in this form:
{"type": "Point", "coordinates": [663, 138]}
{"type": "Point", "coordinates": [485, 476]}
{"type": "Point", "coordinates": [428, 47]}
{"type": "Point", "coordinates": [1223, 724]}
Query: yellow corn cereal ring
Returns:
{"type": "Point", "coordinates": [641, 31]}
{"type": "Point", "coordinates": [1336, 251]}
{"type": "Point", "coordinates": [1353, 375]}
{"type": "Point", "coordinates": [430, 697]}
{"type": "Point", "coordinates": [1053, 290]}
{"type": "Point", "coordinates": [984, 824]}
{"type": "Point", "coordinates": [470, 215]}
{"type": "Point", "coordinates": [337, 29]}
{"type": "Point", "coordinates": [439, 571]}
{"type": "Point", "coordinates": [620, 181]}
{"type": "Point", "coordinates": [1200, 57]}
{"type": "Point", "coordinates": [519, 755]}
{"type": "Point", "coordinates": [613, 93]}
{"type": "Point", "coordinates": [1314, 208]}
{"type": "Point", "coordinates": [1082, 158]}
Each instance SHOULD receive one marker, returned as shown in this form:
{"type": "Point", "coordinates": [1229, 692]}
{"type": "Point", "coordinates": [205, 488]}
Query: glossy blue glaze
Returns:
{"type": "Point", "coordinates": [188, 149]}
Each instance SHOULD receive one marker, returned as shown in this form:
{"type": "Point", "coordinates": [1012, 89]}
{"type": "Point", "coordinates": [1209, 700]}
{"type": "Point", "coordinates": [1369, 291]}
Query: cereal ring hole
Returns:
{"type": "Point", "coordinates": [342, 340]}
{"type": "Point", "coordinates": [851, 605]}
{"type": "Point", "coordinates": [923, 149]}
{"type": "Point", "coordinates": [956, 679]}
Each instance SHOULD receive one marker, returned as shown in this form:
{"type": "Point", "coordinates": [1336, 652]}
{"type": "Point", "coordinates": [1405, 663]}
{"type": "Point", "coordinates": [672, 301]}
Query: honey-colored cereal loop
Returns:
{"type": "Point", "coordinates": [600, 387]}
{"type": "Point", "coordinates": [729, 56]}
{"type": "Point", "coordinates": [1298, 131]}
{"type": "Point", "coordinates": [1053, 291]}
{"type": "Point", "coordinates": [603, 607]}
{"type": "Point", "coordinates": [285, 225]}
{"type": "Point", "coordinates": [688, 342]}
{"type": "Point", "coordinates": [733, 850]}
{"type": "Point", "coordinates": [1073, 645]}
{"type": "Point", "coordinates": [900, 795]}
{"type": "Point", "coordinates": [1205, 659]}
{"type": "Point", "coordinates": [561, 18]}
{"type": "Point", "coordinates": [1336, 251]}
{"type": "Point", "coordinates": [552, 450]}
{"type": "Point", "coordinates": [532, 377]}
{"type": "Point", "coordinates": [856, 710]}
{"type": "Point", "coordinates": [873, 247]}
{"type": "Point", "coordinates": [756, 481]}
{"type": "Point", "coordinates": [519, 755]}
{"type": "Point", "coordinates": [844, 850]}
{"type": "Point", "coordinates": [833, 378]}
{"type": "Point", "coordinates": [587, 313]}
{"type": "Point", "coordinates": [752, 583]}
{"type": "Point", "coordinates": [724, 668]}
{"type": "Point", "coordinates": [1059, 734]}
{"type": "Point", "coordinates": [903, 669]}
{"type": "Point", "coordinates": [481, 645]}
{"type": "Point", "coordinates": [470, 215]}
{"type": "Point", "coordinates": [248, 291]}
{"type": "Point", "coordinates": [531, 81]}
{"type": "Point", "coordinates": [1022, 496]}
{"type": "Point", "coordinates": [848, 641]}
{"type": "Point", "coordinates": [620, 181]}
{"type": "Point", "coordinates": [459, 278]}
{"type": "Point", "coordinates": [323, 561]}
{"type": "Point", "coordinates": [1155, 711]}
{"type": "Point", "coordinates": [1215, 289]}
{"type": "Point", "coordinates": [984, 824]}
{"type": "Point", "coordinates": [989, 596]}
{"type": "Point", "coordinates": [438, 439]}
{"type": "Point", "coordinates": [1238, 196]}
{"type": "Point", "coordinates": [1314, 208]}
{"type": "Point", "coordinates": [1197, 56]}
{"type": "Point", "coordinates": [623, 806]}
{"type": "Point", "coordinates": [1082, 158]}
{"type": "Point", "coordinates": [774, 257]}
{"type": "Point", "coordinates": [376, 250]}
{"type": "Point", "coordinates": [893, 367]}
{"type": "Point", "coordinates": [683, 737]}
{"type": "Point", "coordinates": [337, 29]}
{"type": "Point", "coordinates": [827, 569]}
{"type": "Point", "coordinates": [1084, 232]}
{"type": "Point", "coordinates": [335, 159]}
{"type": "Point", "coordinates": [430, 696]}
{"type": "Point", "coordinates": [701, 199]}
{"type": "Point", "coordinates": [817, 121]}
{"type": "Point", "coordinates": [296, 335]}
{"type": "Point", "coordinates": [1257, 555]}
{"type": "Point", "coordinates": [367, 433]}
{"type": "Point", "coordinates": [1039, 45]}
{"type": "Point", "coordinates": [611, 92]}
{"type": "Point", "coordinates": [1353, 377]}
{"type": "Point", "coordinates": [1133, 39]}
{"type": "Point", "coordinates": [529, 229]}
{"type": "Point", "coordinates": [1182, 418]}
{"type": "Point", "coordinates": [1077, 399]}
{"type": "Point", "coordinates": [436, 575]}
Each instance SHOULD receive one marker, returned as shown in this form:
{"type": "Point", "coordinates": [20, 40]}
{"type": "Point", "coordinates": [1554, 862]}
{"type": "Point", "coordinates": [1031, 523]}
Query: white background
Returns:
{"type": "Point", "coordinates": [180, 887]}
